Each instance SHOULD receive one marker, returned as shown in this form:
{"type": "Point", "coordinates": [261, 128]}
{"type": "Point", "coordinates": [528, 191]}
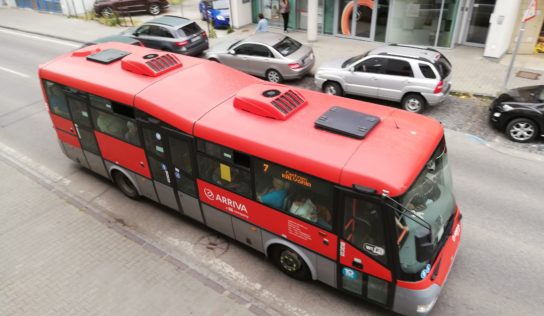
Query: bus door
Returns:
{"type": "Point", "coordinates": [364, 258]}
{"type": "Point", "coordinates": [78, 104]}
{"type": "Point", "coordinates": [170, 156]}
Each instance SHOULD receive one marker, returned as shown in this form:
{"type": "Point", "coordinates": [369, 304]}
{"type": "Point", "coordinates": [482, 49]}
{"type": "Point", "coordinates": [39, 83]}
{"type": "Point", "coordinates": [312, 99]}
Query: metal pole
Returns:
{"type": "Point", "coordinates": [514, 53]}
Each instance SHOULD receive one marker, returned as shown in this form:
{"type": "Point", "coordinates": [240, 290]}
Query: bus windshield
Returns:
{"type": "Point", "coordinates": [431, 199]}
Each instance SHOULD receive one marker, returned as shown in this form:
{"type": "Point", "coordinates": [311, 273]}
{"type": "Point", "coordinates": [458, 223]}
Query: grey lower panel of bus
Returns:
{"type": "Point", "coordinates": [166, 195]}
{"type": "Point", "coordinates": [144, 185]}
{"type": "Point", "coordinates": [406, 300]}
{"type": "Point", "coordinates": [190, 206]}
{"type": "Point", "coordinates": [74, 153]}
{"type": "Point", "coordinates": [324, 268]}
{"type": "Point", "coordinates": [248, 234]}
{"type": "Point", "coordinates": [218, 220]}
{"type": "Point", "coordinates": [96, 164]}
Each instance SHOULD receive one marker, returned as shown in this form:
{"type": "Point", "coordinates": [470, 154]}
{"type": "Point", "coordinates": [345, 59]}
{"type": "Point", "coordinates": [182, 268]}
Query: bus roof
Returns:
{"type": "Point", "coordinates": [231, 108]}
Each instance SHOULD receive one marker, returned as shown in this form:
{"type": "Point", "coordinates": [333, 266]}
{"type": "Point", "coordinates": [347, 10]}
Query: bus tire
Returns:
{"type": "Point", "coordinates": [290, 262]}
{"type": "Point", "coordinates": [125, 185]}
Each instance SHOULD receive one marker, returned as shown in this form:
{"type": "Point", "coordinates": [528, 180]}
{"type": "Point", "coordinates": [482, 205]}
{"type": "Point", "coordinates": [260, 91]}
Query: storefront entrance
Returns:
{"type": "Point", "coordinates": [365, 19]}
{"type": "Point", "coordinates": [476, 21]}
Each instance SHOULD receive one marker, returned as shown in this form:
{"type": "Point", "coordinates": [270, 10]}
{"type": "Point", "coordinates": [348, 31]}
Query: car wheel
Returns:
{"type": "Point", "coordinates": [290, 263]}
{"type": "Point", "coordinates": [273, 76]}
{"type": "Point", "coordinates": [333, 88]}
{"type": "Point", "coordinates": [154, 9]}
{"type": "Point", "coordinates": [521, 130]}
{"type": "Point", "coordinates": [107, 12]}
{"type": "Point", "coordinates": [125, 185]}
{"type": "Point", "coordinates": [413, 103]}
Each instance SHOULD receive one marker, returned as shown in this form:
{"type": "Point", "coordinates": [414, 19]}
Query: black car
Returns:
{"type": "Point", "coordinates": [519, 113]}
{"type": "Point", "coordinates": [171, 33]}
{"type": "Point", "coordinates": [107, 8]}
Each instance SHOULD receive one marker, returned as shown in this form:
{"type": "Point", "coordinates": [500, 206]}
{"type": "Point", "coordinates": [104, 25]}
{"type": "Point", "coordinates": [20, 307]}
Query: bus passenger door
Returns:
{"type": "Point", "coordinates": [79, 106]}
{"type": "Point", "coordinates": [170, 159]}
{"type": "Point", "coordinates": [364, 259]}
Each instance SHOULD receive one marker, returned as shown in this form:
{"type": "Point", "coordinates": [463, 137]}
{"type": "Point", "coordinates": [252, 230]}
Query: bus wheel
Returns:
{"type": "Point", "coordinates": [125, 185]}
{"type": "Point", "coordinates": [290, 263]}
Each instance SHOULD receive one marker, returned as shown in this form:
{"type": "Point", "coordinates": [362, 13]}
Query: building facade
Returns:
{"type": "Point", "coordinates": [491, 24]}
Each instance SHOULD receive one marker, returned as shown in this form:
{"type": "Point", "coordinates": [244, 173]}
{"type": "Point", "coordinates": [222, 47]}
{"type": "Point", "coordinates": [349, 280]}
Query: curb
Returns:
{"type": "Point", "coordinates": [42, 34]}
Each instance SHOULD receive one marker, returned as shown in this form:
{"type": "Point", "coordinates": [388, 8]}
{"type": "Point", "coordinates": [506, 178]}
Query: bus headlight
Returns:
{"type": "Point", "coordinates": [426, 307]}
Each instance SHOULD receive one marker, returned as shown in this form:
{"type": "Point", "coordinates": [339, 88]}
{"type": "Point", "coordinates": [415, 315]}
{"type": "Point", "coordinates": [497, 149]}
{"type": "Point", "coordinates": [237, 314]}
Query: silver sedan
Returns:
{"type": "Point", "coordinates": [270, 55]}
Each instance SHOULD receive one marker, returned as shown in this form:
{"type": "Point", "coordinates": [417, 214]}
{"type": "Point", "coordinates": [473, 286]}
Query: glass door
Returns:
{"type": "Point", "coordinates": [271, 12]}
{"type": "Point", "coordinates": [363, 253]}
{"type": "Point", "coordinates": [357, 18]}
{"type": "Point", "coordinates": [478, 22]}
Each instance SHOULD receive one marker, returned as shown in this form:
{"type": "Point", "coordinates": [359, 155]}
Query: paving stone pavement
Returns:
{"type": "Point", "coordinates": [58, 259]}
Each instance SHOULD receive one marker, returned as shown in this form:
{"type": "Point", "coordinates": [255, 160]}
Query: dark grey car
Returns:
{"type": "Point", "coordinates": [172, 33]}
{"type": "Point", "coordinates": [271, 55]}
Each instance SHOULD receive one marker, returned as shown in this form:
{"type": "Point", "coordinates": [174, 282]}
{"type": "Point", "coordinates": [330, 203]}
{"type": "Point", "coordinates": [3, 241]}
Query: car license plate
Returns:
{"type": "Point", "coordinates": [194, 39]}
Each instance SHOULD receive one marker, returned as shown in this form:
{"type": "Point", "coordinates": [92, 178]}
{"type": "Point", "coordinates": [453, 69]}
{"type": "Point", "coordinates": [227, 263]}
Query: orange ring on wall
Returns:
{"type": "Point", "coordinates": [348, 11]}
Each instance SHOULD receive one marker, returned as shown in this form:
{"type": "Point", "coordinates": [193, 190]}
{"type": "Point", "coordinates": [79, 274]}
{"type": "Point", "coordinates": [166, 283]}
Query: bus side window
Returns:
{"type": "Point", "coordinates": [56, 99]}
{"type": "Point", "coordinates": [224, 172]}
{"type": "Point", "coordinates": [116, 126]}
{"type": "Point", "coordinates": [363, 227]}
{"type": "Point", "coordinates": [294, 193]}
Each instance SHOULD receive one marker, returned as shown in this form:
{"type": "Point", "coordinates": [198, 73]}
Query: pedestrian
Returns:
{"type": "Point", "coordinates": [284, 10]}
{"type": "Point", "coordinates": [262, 26]}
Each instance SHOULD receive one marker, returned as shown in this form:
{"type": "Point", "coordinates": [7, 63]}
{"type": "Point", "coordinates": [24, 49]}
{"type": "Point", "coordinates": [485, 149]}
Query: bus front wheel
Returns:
{"type": "Point", "coordinates": [125, 185]}
{"type": "Point", "coordinates": [290, 263]}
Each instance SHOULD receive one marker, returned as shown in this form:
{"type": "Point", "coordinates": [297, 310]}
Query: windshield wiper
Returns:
{"type": "Point", "coordinates": [411, 214]}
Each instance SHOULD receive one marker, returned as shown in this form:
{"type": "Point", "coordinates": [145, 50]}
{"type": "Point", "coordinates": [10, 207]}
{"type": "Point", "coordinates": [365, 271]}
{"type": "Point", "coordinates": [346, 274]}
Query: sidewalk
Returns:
{"type": "Point", "coordinates": [61, 258]}
{"type": "Point", "coordinates": [472, 73]}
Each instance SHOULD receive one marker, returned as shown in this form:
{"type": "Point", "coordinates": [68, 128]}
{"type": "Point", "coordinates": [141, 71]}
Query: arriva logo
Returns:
{"type": "Point", "coordinates": [456, 232]}
{"type": "Point", "coordinates": [209, 194]}
{"type": "Point", "coordinates": [231, 204]}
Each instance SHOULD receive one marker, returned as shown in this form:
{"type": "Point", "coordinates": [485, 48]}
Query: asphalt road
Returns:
{"type": "Point", "coordinates": [498, 186]}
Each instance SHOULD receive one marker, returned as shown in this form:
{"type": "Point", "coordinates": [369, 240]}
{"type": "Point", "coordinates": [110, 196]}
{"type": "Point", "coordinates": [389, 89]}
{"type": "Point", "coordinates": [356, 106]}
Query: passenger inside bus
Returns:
{"type": "Point", "coordinates": [275, 195]}
{"type": "Point", "coordinates": [305, 208]}
{"type": "Point", "coordinates": [111, 125]}
{"type": "Point", "coordinates": [132, 133]}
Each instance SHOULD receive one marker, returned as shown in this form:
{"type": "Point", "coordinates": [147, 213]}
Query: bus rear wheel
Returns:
{"type": "Point", "coordinates": [290, 263]}
{"type": "Point", "coordinates": [125, 185]}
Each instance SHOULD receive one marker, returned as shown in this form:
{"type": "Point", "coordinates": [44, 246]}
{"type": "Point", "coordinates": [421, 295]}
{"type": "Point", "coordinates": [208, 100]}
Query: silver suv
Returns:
{"type": "Point", "coordinates": [414, 76]}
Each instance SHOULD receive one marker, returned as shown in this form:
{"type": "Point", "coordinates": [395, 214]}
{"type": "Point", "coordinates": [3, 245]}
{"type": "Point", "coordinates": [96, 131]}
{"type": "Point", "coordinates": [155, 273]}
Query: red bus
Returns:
{"type": "Point", "coordinates": [353, 194]}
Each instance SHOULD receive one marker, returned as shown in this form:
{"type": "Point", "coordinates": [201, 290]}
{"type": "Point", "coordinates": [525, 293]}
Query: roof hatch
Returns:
{"type": "Point", "coordinates": [151, 65]}
{"type": "Point", "coordinates": [106, 56]}
{"type": "Point", "coordinates": [269, 100]}
{"type": "Point", "coordinates": [347, 122]}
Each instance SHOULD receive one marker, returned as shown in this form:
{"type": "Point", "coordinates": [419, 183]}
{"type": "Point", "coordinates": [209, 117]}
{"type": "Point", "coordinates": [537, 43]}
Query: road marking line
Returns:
{"type": "Point", "coordinates": [43, 38]}
{"type": "Point", "coordinates": [14, 72]}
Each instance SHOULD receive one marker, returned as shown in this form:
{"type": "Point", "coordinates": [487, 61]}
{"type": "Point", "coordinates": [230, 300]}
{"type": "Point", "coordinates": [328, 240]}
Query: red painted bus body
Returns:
{"type": "Point", "coordinates": [216, 144]}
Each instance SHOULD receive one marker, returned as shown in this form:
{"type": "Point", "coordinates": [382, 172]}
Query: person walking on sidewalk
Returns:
{"type": "Point", "coordinates": [284, 10]}
{"type": "Point", "coordinates": [262, 26]}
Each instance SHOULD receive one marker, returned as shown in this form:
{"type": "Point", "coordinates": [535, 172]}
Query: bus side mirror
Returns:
{"type": "Point", "coordinates": [424, 245]}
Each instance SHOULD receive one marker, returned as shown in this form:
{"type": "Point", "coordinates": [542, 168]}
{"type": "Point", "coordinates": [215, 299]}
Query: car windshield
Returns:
{"type": "Point", "coordinates": [444, 67]}
{"type": "Point", "coordinates": [431, 200]}
{"type": "Point", "coordinates": [220, 4]}
{"type": "Point", "coordinates": [189, 29]}
{"type": "Point", "coordinates": [287, 46]}
{"type": "Point", "coordinates": [353, 59]}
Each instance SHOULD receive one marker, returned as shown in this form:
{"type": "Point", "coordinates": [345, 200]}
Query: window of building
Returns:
{"type": "Point", "coordinates": [295, 193]}
{"type": "Point", "coordinates": [56, 99]}
{"type": "Point", "coordinates": [397, 67]}
{"type": "Point", "coordinates": [427, 71]}
{"type": "Point", "coordinates": [363, 227]}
